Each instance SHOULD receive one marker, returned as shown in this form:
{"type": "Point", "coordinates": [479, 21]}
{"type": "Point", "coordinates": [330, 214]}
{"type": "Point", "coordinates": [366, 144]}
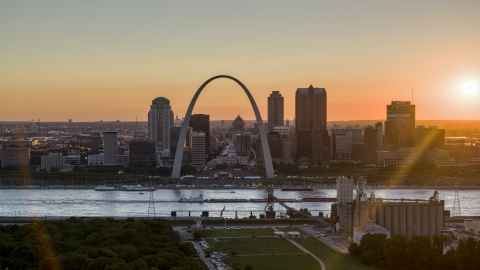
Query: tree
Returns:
{"type": "Point", "coordinates": [353, 249]}
{"type": "Point", "coordinates": [420, 252]}
{"type": "Point", "coordinates": [371, 249]}
{"type": "Point", "coordinates": [395, 252]}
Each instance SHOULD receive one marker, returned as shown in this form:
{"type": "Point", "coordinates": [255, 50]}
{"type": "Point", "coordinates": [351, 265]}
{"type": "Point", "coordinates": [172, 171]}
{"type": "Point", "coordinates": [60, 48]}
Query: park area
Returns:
{"type": "Point", "coordinates": [260, 248]}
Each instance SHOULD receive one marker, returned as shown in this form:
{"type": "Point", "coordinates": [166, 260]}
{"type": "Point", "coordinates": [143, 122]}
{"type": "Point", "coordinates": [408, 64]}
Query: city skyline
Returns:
{"type": "Point", "coordinates": [107, 61]}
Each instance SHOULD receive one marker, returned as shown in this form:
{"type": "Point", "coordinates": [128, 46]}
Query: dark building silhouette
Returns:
{"type": "Point", "coordinates": [142, 152]}
{"type": "Point", "coordinates": [174, 135]}
{"type": "Point", "coordinates": [275, 110]}
{"type": "Point", "coordinates": [311, 124]}
{"type": "Point", "coordinates": [201, 123]}
{"type": "Point", "coordinates": [400, 124]}
{"type": "Point", "coordinates": [429, 138]}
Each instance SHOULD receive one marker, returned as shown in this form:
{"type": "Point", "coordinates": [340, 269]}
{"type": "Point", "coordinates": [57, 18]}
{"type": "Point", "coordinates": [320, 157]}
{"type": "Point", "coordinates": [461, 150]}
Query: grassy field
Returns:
{"type": "Point", "coordinates": [253, 245]}
{"type": "Point", "coordinates": [332, 260]}
{"type": "Point", "coordinates": [290, 229]}
{"type": "Point", "coordinates": [237, 233]}
{"type": "Point", "coordinates": [275, 262]}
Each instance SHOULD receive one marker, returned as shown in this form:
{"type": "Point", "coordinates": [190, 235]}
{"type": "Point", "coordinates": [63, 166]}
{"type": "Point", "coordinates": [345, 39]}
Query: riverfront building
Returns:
{"type": "Point", "coordinates": [15, 153]}
{"type": "Point", "coordinates": [110, 146]}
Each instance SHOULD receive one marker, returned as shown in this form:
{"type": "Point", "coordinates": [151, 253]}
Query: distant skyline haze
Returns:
{"type": "Point", "coordinates": [91, 61]}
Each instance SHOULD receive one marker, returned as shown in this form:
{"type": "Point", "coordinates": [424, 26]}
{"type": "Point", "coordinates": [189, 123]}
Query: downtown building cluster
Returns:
{"type": "Point", "coordinates": [307, 140]}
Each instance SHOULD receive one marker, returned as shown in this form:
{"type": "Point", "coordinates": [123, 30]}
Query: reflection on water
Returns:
{"type": "Point", "coordinates": [53, 202]}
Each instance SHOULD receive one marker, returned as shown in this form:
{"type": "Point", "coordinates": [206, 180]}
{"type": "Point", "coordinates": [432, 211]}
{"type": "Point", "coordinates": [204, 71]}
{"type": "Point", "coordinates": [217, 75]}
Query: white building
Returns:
{"type": "Point", "coordinates": [72, 160]}
{"type": "Point", "coordinates": [232, 160]}
{"type": "Point", "coordinates": [110, 147]}
{"type": "Point", "coordinates": [52, 161]}
{"type": "Point", "coordinates": [160, 120]}
{"type": "Point", "coordinates": [285, 130]}
{"type": "Point", "coordinates": [198, 150]}
{"type": "Point", "coordinates": [95, 159]}
{"type": "Point", "coordinates": [371, 228]}
{"type": "Point", "coordinates": [344, 190]}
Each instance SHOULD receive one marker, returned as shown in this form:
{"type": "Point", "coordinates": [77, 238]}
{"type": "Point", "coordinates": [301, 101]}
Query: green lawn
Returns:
{"type": "Point", "coordinates": [253, 245]}
{"type": "Point", "coordinates": [207, 233]}
{"type": "Point", "coordinates": [332, 260]}
{"type": "Point", "coordinates": [275, 262]}
{"type": "Point", "coordinates": [291, 229]}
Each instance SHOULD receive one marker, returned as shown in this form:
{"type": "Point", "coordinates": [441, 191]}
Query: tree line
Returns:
{"type": "Point", "coordinates": [95, 244]}
{"type": "Point", "coordinates": [418, 252]}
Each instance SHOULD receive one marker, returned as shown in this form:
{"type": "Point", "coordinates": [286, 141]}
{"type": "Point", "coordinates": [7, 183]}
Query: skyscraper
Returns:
{"type": "Point", "coordinates": [110, 148]}
{"type": "Point", "coordinates": [311, 124]}
{"type": "Point", "coordinates": [198, 150]}
{"type": "Point", "coordinates": [160, 120]}
{"type": "Point", "coordinates": [243, 144]}
{"type": "Point", "coordinates": [201, 123]}
{"type": "Point", "coordinates": [400, 124]}
{"type": "Point", "coordinates": [275, 110]}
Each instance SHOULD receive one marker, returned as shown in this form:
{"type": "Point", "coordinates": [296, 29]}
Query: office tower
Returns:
{"type": "Point", "coordinates": [400, 124]}
{"type": "Point", "coordinates": [142, 152]}
{"type": "Point", "coordinates": [243, 144]}
{"type": "Point", "coordinates": [201, 123]}
{"type": "Point", "coordinates": [279, 149]}
{"type": "Point", "coordinates": [174, 135]}
{"type": "Point", "coordinates": [110, 148]}
{"type": "Point", "coordinates": [379, 129]}
{"type": "Point", "coordinates": [370, 140]}
{"type": "Point", "coordinates": [311, 137]}
{"type": "Point", "coordinates": [15, 153]}
{"type": "Point", "coordinates": [343, 139]}
{"type": "Point", "coordinates": [428, 138]}
{"type": "Point", "coordinates": [198, 150]}
{"type": "Point", "coordinates": [160, 120]}
{"type": "Point", "coordinates": [238, 125]}
{"type": "Point", "coordinates": [275, 110]}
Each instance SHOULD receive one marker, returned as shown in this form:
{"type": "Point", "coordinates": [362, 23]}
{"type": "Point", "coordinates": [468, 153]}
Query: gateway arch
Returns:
{"type": "Point", "coordinates": [183, 133]}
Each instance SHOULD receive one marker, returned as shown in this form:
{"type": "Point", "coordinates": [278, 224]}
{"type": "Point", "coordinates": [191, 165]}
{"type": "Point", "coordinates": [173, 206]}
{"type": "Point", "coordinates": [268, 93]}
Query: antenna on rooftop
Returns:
{"type": "Point", "coordinates": [412, 95]}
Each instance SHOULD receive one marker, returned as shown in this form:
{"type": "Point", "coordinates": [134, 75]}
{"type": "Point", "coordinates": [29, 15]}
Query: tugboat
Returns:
{"type": "Point", "coordinates": [198, 199]}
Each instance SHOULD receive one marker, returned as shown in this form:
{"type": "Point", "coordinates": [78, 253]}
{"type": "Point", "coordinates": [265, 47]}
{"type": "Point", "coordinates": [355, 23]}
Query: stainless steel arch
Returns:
{"type": "Point", "coordinates": [183, 133]}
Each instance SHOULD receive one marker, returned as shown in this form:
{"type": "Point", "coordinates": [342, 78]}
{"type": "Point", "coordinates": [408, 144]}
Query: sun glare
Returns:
{"type": "Point", "coordinates": [470, 88]}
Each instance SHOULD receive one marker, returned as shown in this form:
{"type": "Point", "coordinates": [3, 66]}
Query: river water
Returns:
{"type": "Point", "coordinates": [88, 202]}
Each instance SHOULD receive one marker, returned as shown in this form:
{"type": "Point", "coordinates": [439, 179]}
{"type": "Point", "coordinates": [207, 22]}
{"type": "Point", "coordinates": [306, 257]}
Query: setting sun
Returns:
{"type": "Point", "coordinates": [470, 88]}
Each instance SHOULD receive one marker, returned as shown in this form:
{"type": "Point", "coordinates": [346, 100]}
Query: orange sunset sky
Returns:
{"type": "Point", "coordinates": [106, 60]}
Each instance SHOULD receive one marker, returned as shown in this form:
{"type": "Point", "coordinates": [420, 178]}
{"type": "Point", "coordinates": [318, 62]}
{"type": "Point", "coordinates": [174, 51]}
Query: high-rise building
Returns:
{"type": "Point", "coordinates": [110, 146]}
{"type": "Point", "coordinates": [201, 123]}
{"type": "Point", "coordinates": [279, 149]}
{"type": "Point", "coordinates": [174, 135]}
{"type": "Point", "coordinates": [198, 150]}
{"type": "Point", "coordinates": [311, 139]}
{"type": "Point", "coordinates": [400, 124]}
{"type": "Point", "coordinates": [243, 144]}
{"type": "Point", "coordinates": [142, 152]}
{"type": "Point", "coordinates": [275, 110]}
{"type": "Point", "coordinates": [379, 129]}
{"type": "Point", "coordinates": [160, 120]}
{"type": "Point", "coordinates": [15, 153]}
{"type": "Point", "coordinates": [428, 138]}
{"type": "Point", "coordinates": [342, 141]}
